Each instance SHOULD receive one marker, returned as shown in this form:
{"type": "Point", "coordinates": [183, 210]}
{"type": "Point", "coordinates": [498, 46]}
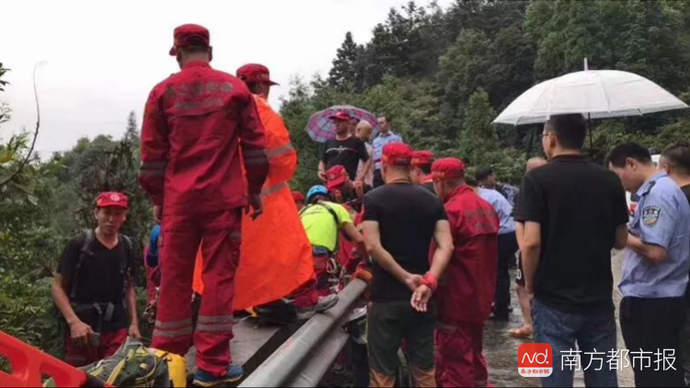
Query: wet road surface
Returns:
{"type": "Point", "coordinates": [501, 350]}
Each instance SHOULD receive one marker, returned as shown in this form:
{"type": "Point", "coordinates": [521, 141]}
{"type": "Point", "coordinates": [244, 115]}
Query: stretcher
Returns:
{"type": "Point", "coordinates": [29, 366]}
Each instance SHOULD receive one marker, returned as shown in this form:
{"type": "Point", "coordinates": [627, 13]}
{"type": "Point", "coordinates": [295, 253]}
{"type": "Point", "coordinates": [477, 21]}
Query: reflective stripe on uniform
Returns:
{"type": "Point", "coordinates": [214, 327]}
{"type": "Point", "coordinates": [214, 324]}
{"type": "Point", "coordinates": [220, 319]}
{"type": "Point", "coordinates": [173, 333]}
{"type": "Point", "coordinates": [173, 325]}
{"type": "Point", "coordinates": [274, 189]}
{"type": "Point", "coordinates": [280, 151]}
{"type": "Point", "coordinates": [153, 168]}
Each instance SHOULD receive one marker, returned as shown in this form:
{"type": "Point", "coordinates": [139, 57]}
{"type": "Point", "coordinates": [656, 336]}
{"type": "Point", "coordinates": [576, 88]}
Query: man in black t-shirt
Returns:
{"type": "Point", "coordinates": [524, 299]}
{"type": "Point", "coordinates": [574, 212]}
{"type": "Point", "coordinates": [675, 160]}
{"type": "Point", "coordinates": [400, 222]}
{"type": "Point", "coordinates": [345, 150]}
{"type": "Point", "coordinates": [94, 288]}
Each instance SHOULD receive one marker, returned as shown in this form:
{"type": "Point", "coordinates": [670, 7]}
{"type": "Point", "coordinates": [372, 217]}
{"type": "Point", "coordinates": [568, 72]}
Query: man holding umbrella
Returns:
{"type": "Point", "coordinates": [345, 150]}
{"type": "Point", "coordinates": [574, 212]}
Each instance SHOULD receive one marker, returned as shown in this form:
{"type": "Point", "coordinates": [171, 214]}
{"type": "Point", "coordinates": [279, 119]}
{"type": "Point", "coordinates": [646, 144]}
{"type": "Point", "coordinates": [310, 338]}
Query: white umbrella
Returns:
{"type": "Point", "coordinates": [597, 94]}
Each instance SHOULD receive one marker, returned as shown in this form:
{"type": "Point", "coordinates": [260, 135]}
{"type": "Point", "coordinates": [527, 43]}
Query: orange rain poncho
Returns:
{"type": "Point", "coordinates": [276, 257]}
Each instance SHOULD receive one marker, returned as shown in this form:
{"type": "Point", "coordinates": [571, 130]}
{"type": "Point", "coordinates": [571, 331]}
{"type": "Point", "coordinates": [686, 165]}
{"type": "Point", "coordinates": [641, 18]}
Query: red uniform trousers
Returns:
{"type": "Point", "coordinates": [79, 356]}
{"type": "Point", "coordinates": [219, 234]}
{"type": "Point", "coordinates": [320, 283]}
{"type": "Point", "coordinates": [459, 359]}
{"type": "Point", "coordinates": [306, 295]}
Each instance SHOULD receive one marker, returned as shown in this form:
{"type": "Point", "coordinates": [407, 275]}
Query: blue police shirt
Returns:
{"type": "Point", "coordinates": [662, 218]}
{"type": "Point", "coordinates": [382, 140]}
{"type": "Point", "coordinates": [502, 207]}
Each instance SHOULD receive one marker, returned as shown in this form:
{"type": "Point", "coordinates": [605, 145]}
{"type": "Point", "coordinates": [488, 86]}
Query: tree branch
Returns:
{"type": "Point", "coordinates": [33, 143]}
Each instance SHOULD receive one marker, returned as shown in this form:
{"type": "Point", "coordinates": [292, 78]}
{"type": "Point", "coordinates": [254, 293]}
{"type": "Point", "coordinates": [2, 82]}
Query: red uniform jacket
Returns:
{"type": "Point", "coordinates": [194, 125]}
{"type": "Point", "coordinates": [467, 289]}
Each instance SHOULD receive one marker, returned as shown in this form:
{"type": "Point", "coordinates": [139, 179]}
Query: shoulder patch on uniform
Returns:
{"type": "Point", "coordinates": [650, 215]}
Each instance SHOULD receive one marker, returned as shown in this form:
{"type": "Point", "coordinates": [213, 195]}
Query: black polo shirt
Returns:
{"type": "Point", "coordinates": [407, 216]}
{"type": "Point", "coordinates": [579, 205]}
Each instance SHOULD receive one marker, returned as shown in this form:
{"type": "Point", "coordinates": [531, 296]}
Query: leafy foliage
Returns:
{"type": "Point", "coordinates": [43, 206]}
{"type": "Point", "coordinates": [443, 74]}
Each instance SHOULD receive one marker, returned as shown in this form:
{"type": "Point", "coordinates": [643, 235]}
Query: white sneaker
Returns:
{"type": "Point", "coordinates": [326, 303]}
{"type": "Point", "coordinates": [306, 313]}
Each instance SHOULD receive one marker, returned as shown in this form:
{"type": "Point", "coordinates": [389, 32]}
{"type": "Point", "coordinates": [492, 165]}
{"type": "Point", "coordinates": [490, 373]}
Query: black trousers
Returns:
{"type": "Point", "coordinates": [392, 322]}
{"type": "Point", "coordinates": [378, 179]}
{"type": "Point", "coordinates": [507, 246]}
{"type": "Point", "coordinates": [654, 325]}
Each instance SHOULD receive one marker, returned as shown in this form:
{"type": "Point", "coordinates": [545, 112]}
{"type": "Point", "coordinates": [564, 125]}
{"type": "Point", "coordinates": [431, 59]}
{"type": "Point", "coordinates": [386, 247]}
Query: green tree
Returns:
{"type": "Point", "coordinates": [132, 131]}
{"type": "Point", "coordinates": [463, 70]}
{"type": "Point", "coordinates": [343, 73]}
{"type": "Point", "coordinates": [479, 144]}
{"type": "Point", "coordinates": [478, 136]}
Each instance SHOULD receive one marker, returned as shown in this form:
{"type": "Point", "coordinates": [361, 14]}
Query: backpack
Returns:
{"type": "Point", "coordinates": [87, 251]}
{"type": "Point", "coordinates": [133, 365]}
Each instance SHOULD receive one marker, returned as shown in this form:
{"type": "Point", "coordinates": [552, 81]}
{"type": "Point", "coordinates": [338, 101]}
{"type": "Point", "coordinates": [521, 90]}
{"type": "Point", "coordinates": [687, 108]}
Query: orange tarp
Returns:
{"type": "Point", "coordinates": [276, 256]}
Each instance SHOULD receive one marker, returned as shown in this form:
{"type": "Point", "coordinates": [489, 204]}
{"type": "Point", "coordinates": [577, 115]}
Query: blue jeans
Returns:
{"type": "Point", "coordinates": [562, 330]}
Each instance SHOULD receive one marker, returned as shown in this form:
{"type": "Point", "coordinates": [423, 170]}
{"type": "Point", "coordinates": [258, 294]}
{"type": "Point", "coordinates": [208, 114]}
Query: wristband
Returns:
{"type": "Point", "coordinates": [430, 281]}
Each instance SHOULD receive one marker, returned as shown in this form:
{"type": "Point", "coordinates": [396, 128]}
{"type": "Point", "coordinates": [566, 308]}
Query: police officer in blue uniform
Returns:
{"type": "Point", "coordinates": [655, 271]}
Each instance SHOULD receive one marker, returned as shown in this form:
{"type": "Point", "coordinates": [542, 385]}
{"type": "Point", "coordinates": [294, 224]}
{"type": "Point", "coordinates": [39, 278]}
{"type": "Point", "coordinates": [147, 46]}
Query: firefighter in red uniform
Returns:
{"type": "Point", "coordinates": [199, 126]}
{"type": "Point", "coordinates": [421, 169]}
{"type": "Point", "coordinates": [467, 290]}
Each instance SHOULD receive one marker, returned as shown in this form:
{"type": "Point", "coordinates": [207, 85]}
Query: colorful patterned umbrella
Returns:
{"type": "Point", "coordinates": [321, 128]}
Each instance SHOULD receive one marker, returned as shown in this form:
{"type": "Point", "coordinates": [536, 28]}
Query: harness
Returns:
{"type": "Point", "coordinates": [332, 263]}
{"type": "Point", "coordinates": [105, 311]}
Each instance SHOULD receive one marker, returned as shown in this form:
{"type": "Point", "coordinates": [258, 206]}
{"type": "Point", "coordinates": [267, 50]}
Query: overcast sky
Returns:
{"type": "Point", "coordinates": [103, 57]}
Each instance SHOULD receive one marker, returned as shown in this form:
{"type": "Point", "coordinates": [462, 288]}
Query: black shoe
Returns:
{"type": "Point", "coordinates": [500, 317]}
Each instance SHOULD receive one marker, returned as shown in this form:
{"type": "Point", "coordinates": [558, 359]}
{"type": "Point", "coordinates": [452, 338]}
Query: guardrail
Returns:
{"type": "Point", "coordinates": [306, 356]}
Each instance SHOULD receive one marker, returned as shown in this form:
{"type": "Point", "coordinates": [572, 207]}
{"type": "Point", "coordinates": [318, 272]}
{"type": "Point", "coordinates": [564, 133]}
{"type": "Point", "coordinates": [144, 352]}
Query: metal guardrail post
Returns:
{"type": "Point", "coordinates": [280, 366]}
